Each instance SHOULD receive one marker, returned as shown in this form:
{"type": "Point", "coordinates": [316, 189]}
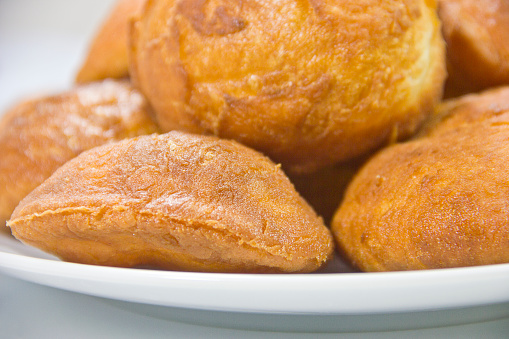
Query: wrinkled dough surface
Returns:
{"type": "Point", "coordinates": [438, 201]}
{"type": "Point", "coordinates": [39, 135]}
{"type": "Point", "coordinates": [174, 201]}
{"type": "Point", "coordinates": [309, 83]}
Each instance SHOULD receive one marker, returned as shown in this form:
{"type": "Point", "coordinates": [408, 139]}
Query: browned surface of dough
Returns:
{"type": "Point", "coordinates": [174, 201]}
{"type": "Point", "coordinates": [438, 201]}
{"type": "Point", "coordinates": [308, 83]}
{"type": "Point", "coordinates": [38, 136]}
{"type": "Point", "coordinates": [477, 36]}
{"type": "Point", "coordinates": [473, 108]}
{"type": "Point", "coordinates": [107, 54]}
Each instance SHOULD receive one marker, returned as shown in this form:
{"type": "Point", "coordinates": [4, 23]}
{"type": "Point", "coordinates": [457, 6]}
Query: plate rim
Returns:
{"type": "Point", "coordinates": [319, 293]}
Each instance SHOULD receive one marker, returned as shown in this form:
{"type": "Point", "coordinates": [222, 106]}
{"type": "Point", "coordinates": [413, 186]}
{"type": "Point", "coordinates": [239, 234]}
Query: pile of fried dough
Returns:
{"type": "Point", "coordinates": [268, 136]}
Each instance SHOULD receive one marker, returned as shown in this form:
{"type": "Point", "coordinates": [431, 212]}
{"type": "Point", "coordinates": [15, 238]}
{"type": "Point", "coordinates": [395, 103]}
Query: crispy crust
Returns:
{"type": "Point", "coordinates": [309, 83]}
{"type": "Point", "coordinates": [39, 135]}
{"type": "Point", "coordinates": [174, 201]}
{"type": "Point", "coordinates": [438, 201]}
{"type": "Point", "coordinates": [107, 53]}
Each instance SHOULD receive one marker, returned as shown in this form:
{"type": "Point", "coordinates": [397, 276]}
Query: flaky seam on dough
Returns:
{"type": "Point", "coordinates": [213, 226]}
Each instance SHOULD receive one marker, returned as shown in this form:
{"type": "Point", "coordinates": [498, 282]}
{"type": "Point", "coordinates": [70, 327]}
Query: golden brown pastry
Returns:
{"type": "Point", "coordinates": [473, 108]}
{"type": "Point", "coordinates": [477, 36]}
{"type": "Point", "coordinates": [435, 202]}
{"type": "Point", "coordinates": [309, 83]}
{"type": "Point", "coordinates": [38, 136]}
{"type": "Point", "coordinates": [107, 54]}
{"type": "Point", "coordinates": [174, 201]}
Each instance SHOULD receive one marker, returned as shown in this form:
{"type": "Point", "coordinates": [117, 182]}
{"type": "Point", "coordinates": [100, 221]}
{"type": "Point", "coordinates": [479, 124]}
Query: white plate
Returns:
{"type": "Point", "coordinates": [312, 302]}
{"type": "Point", "coordinates": [42, 44]}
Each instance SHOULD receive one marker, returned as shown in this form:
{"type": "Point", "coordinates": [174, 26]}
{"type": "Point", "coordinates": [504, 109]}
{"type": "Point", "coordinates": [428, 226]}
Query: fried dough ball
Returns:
{"type": "Point", "coordinates": [107, 53]}
{"type": "Point", "coordinates": [174, 201]}
{"type": "Point", "coordinates": [435, 202]}
{"type": "Point", "coordinates": [477, 36]}
{"type": "Point", "coordinates": [309, 83]}
{"type": "Point", "coordinates": [39, 135]}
